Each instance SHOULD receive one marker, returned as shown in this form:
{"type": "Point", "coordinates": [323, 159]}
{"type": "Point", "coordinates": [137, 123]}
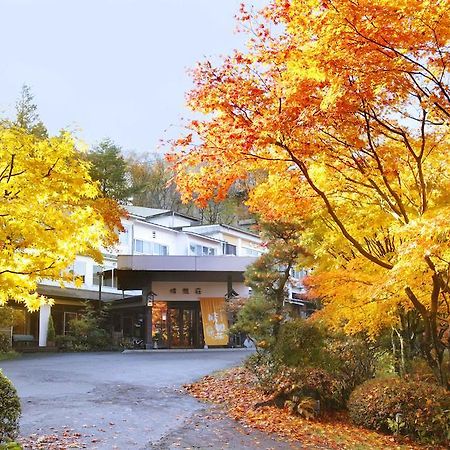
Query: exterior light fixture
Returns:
{"type": "Point", "coordinates": [231, 294]}
{"type": "Point", "coordinates": [150, 298]}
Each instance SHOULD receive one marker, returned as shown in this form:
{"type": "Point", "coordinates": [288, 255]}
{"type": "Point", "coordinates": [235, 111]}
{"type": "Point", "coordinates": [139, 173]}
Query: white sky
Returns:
{"type": "Point", "coordinates": [111, 68]}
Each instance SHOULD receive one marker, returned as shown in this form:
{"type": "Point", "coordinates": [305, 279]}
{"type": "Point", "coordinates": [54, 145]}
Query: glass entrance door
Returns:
{"type": "Point", "coordinates": [183, 330]}
{"type": "Point", "coordinates": [176, 324]}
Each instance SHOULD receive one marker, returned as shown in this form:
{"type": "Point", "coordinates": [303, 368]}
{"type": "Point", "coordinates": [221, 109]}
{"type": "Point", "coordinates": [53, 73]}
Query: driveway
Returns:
{"type": "Point", "coordinates": [128, 401]}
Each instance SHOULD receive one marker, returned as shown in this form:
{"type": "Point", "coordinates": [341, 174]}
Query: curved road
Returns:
{"type": "Point", "coordinates": [128, 400]}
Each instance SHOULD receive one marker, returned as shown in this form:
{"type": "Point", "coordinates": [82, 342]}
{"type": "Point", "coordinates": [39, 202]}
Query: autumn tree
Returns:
{"type": "Point", "coordinates": [151, 186]}
{"type": "Point", "coordinates": [344, 107]}
{"type": "Point", "coordinates": [150, 183]}
{"type": "Point", "coordinates": [50, 211]}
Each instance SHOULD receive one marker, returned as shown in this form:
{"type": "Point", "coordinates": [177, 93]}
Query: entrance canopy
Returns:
{"type": "Point", "coordinates": [136, 272]}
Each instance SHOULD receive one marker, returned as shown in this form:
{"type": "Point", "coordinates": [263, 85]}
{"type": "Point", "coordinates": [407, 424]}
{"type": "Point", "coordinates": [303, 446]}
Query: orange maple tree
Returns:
{"type": "Point", "coordinates": [339, 112]}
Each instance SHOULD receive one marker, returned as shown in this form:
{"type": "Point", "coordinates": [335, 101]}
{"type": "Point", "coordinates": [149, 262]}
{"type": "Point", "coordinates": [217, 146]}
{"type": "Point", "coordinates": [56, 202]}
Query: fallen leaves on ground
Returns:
{"type": "Point", "coordinates": [59, 440]}
{"type": "Point", "coordinates": [236, 390]}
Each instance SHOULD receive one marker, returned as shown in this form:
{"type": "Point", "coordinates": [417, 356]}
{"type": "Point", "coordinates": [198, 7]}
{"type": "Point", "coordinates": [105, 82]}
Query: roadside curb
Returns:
{"type": "Point", "coordinates": [190, 350]}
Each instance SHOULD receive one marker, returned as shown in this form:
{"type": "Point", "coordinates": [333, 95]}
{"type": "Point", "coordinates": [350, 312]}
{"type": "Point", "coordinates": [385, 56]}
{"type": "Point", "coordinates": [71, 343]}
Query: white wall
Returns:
{"type": "Point", "coordinates": [162, 289]}
{"type": "Point", "coordinates": [178, 243]}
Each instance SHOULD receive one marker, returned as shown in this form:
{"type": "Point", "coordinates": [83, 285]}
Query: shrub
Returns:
{"type": "Point", "coordinates": [88, 335]}
{"type": "Point", "coordinates": [51, 330]}
{"type": "Point", "coordinates": [353, 362]}
{"type": "Point", "coordinates": [5, 343]}
{"type": "Point", "coordinates": [87, 332]}
{"type": "Point", "coordinates": [9, 410]}
{"type": "Point", "coordinates": [309, 382]}
{"type": "Point", "coordinates": [254, 319]}
{"type": "Point", "coordinates": [416, 409]}
{"type": "Point", "coordinates": [266, 369]}
{"type": "Point", "coordinates": [10, 446]}
{"type": "Point", "coordinates": [6, 316]}
{"type": "Point", "coordinates": [301, 343]}
{"type": "Point", "coordinates": [64, 342]}
{"type": "Point", "coordinates": [306, 362]}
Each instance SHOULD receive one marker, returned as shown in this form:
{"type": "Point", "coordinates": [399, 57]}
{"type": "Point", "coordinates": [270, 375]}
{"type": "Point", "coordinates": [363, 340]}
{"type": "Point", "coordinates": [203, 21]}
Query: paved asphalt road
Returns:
{"type": "Point", "coordinates": [128, 401]}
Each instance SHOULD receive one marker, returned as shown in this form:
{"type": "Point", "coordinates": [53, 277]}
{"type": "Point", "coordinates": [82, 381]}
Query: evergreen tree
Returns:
{"type": "Point", "coordinates": [268, 278]}
{"type": "Point", "coordinates": [27, 116]}
{"type": "Point", "coordinates": [109, 168]}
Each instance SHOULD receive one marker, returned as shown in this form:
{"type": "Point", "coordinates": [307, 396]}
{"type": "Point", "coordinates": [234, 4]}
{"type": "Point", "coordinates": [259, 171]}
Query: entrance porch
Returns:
{"type": "Point", "coordinates": [183, 302]}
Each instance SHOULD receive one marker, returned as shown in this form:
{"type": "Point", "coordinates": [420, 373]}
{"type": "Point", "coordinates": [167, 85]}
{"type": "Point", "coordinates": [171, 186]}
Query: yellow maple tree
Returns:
{"type": "Point", "coordinates": [341, 108]}
{"type": "Point", "coordinates": [50, 211]}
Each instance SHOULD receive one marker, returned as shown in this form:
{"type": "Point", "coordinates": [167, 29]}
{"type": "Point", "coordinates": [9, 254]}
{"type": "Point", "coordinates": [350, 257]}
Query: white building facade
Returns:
{"type": "Point", "coordinates": [185, 267]}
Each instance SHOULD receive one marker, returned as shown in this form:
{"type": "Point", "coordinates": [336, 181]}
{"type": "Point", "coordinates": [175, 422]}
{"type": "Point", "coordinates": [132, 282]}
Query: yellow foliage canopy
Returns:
{"type": "Point", "coordinates": [49, 212]}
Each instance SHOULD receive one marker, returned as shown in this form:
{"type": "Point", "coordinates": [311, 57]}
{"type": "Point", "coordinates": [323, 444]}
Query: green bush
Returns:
{"type": "Point", "coordinates": [6, 316]}
{"type": "Point", "coordinates": [51, 335]}
{"type": "Point", "coordinates": [412, 408]}
{"type": "Point", "coordinates": [254, 319]}
{"type": "Point", "coordinates": [352, 361]}
{"type": "Point", "coordinates": [5, 343]}
{"type": "Point", "coordinates": [310, 382]}
{"type": "Point", "coordinates": [6, 321]}
{"type": "Point", "coordinates": [64, 342]}
{"type": "Point", "coordinates": [87, 332]}
{"type": "Point", "coordinates": [10, 446]}
{"type": "Point", "coordinates": [9, 410]}
{"type": "Point", "coordinates": [302, 343]}
{"type": "Point", "coordinates": [266, 369]}
{"type": "Point", "coordinates": [306, 362]}
{"type": "Point", "coordinates": [88, 335]}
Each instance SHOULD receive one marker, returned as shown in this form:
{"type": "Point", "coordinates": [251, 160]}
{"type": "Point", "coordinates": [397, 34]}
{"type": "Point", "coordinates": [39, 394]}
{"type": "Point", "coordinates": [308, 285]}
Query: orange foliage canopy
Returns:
{"type": "Point", "coordinates": [339, 114]}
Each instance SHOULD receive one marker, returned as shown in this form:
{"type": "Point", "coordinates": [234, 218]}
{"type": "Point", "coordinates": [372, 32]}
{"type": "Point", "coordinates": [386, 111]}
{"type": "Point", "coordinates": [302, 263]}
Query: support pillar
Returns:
{"type": "Point", "coordinates": [229, 285]}
{"type": "Point", "coordinates": [44, 316]}
{"type": "Point", "coordinates": [147, 300]}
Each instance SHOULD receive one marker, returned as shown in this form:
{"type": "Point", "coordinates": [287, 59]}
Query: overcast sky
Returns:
{"type": "Point", "coordinates": [111, 68]}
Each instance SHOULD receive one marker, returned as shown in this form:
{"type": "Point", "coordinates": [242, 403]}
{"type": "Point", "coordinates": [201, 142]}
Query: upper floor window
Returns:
{"type": "Point", "coordinates": [108, 276]}
{"type": "Point", "coordinates": [247, 251]}
{"type": "Point", "coordinates": [124, 236]}
{"type": "Point", "coordinates": [78, 270]}
{"type": "Point", "coordinates": [230, 249]}
{"type": "Point", "coordinates": [299, 274]}
{"type": "Point", "coordinates": [150, 248]}
{"type": "Point", "coordinates": [201, 250]}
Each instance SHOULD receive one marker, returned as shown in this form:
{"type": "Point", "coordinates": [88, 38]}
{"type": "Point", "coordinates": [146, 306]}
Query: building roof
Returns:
{"type": "Point", "coordinates": [151, 213]}
{"type": "Point", "coordinates": [142, 211]}
{"type": "Point", "coordinates": [214, 228]}
{"type": "Point", "coordinates": [134, 272]}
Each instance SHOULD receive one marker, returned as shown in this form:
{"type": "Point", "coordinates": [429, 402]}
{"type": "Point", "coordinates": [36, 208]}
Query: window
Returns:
{"type": "Point", "coordinates": [78, 270]}
{"type": "Point", "coordinates": [124, 236]}
{"type": "Point", "coordinates": [201, 250]}
{"type": "Point", "coordinates": [299, 274]}
{"type": "Point", "coordinates": [109, 278]}
{"type": "Point", "coordinates": [96, 271]}
{"type": "Point", "coordinates": [108, 274]}
{"type": "Point", "coordinates": [230, 249]}
{"type": "Point", "coordinates": [250, 252]}
{"type": "Point", "coordinates": [150, 248]}
{"type": "Point", "coordinates": [159, 249]}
